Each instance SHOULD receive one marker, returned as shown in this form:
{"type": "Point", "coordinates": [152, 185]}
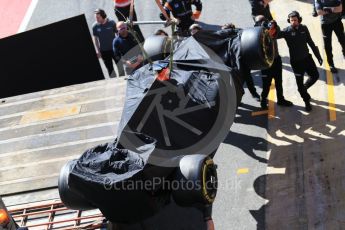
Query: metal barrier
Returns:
{"type": "Point", "coordinates": [54, 215]}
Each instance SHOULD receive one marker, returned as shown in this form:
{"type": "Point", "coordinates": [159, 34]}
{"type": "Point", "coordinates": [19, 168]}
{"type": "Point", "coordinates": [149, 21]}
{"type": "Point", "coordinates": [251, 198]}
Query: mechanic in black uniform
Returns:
{"type": "Point", "coordinates": [182, 10]}
{"type": "Point", "coordinates": [227, 30]}
{"type": "Point", "coordinates": [261, 7]}
{"type": "Point", "coordinates": [315, 14]}
{"type": "Point", "coordinates": [330, 12]}
{"type": "Point", "coordinates": [276, 70]}
{"type": "Point", "coordinates": [298, 38]}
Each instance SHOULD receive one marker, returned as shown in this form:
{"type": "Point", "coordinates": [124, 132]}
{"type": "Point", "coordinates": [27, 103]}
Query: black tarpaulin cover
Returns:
{"type": "Point", "coordinates": [162, 121]}
{"type": "Point", "coordinates": [226, 43]}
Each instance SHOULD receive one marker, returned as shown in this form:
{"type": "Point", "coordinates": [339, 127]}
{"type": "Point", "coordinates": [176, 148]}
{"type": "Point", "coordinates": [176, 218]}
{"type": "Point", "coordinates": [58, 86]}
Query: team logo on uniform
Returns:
{"type": "Point", "coordinates": [99, 30]}
{"type": "Point", "coordinates": [293, 33]}
{"type": "Point", "coordinates": [176, 5]}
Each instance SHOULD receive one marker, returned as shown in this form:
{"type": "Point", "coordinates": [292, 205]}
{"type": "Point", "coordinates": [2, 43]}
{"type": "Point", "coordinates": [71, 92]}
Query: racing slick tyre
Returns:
{"type": "Point", "coordinates": [257, 48]}
{"type": "Point", "coordinates": [197, 179]}
{"type": "Point", "coordinates": [70, 198]}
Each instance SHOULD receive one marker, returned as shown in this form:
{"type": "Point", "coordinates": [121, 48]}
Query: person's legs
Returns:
{"type": "Point", "coordinates": [298, 69]}
{"type": "Point", "coordinates": [301, 88]}
{"type": "Point", "coordinates": [266, 84]}
{"type": "Point", "coordinates": [339, 32]}
{"type": "Point", "coordinates": [119, 66]}
{"type": "Point", "coordinates": [182, 29]}
{"type": "Point", "coordinates": [137, 29]}
{"type": "Point", "coordinates": [122, 13]}
{"type": "Point", "coordinates": [277, 75]}
{"type": "Point", "coordinates": [314, 14]}
{"type": "Point", "coordinates": [274, 72]}
{"type": "Point", "coordinates": [327, 30]}
{"type": "Point", "coordinates": [249, 81]}
{"type": "Point", "coordinates": [312, 72]}
{"type": "Point", "coordinates": [107, 57]}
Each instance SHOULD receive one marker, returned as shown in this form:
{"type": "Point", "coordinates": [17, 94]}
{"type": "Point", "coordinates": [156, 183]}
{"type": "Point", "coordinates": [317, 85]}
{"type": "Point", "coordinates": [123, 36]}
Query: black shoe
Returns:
{"type": "Point", "coordinates": [285, 103]}
{"type": "Point", "coordinates": [333, 69]}
{"type": "Point", "coordinates": [314, 14]}
{"type": "Point", "coordinates": [263, 104]}
{"type": "Point", "coordinates": [308, 106]}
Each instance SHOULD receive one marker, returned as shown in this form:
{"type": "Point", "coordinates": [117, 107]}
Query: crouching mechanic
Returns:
{"type": "Point", "coordinates": [182, 10]}
{"type": "Point", "coordinates": [298, 38]}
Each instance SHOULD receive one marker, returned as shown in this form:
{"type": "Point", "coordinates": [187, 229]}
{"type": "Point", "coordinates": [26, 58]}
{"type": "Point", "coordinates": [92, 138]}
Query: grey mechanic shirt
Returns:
{"type": "Point", "coordinates": [331, 17]}
{"type": "Point", "coordinates": [105, 33]}
{"type": "Point", "coordinates": [298, 40]}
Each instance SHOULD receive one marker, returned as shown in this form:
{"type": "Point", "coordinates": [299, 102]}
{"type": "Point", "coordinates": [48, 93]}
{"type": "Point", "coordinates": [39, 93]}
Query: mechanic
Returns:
{"type": "Point", "coordinates": [245, 71]}
{"type": "Point", "coordinates": [122, 11]}
{"type": "Point", "coordinates": [126, 49]}
{"type": "Point", "coordinates": [298, 38]}
{"type": "Point", "coordinates": [228, 30]}
{"type": "Point", "coordinates": [331, 13]}
{"type": "Point", "coordinates": [103, 31]}
{"type": "Point", "coordinates": [182, 11]}
{"type": "Point", "coordinates": [276, 70]}
{"type": "Point", "coordinates": [261, 7]}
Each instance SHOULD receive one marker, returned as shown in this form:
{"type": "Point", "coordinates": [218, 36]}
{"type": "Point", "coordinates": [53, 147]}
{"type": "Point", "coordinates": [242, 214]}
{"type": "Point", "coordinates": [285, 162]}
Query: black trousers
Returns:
{"type": "Point", "coordinates": [327, 30]}
{"type": "Point", "coordinates": [122, 13]}
{"type": "Point", "coordinates": [108, 57]}
{"type": "Point", "coordinates": [301, 67]}
{"type": "Point", "coordinates": [245, 71]}
{"type": "Point", "coordinates": [182, 29]}
{"type": "Point", "coordinates": [274, 72]}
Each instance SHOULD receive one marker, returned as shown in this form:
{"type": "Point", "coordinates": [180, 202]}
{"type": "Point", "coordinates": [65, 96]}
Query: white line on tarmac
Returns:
{"type": "Point", "coordinates": [64, 105]}
{"type": "Point", "coordinates": [70, 92]}
{"type": "Point", "coordinates": [81, 128]}
{"type": "Point", "coordinates": [11, 167]}
{"type": "Point", "coordinates": [27, 16]}
{"type": "Point", "coordinates": [85, 141]}
{"type": "Point", "coordinates": [62, 119]}
{"type": "Point", "coordinates": [21, 180]}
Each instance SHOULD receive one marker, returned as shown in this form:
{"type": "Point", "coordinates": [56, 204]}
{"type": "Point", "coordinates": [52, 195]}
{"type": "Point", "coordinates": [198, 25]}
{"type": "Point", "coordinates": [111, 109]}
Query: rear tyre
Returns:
{"type": "Point", "coordinates": [197, 177]}
{"type": "Point", "coordinates": [257, 48]}
{"type": "Point", "coordinates": [69, 197]}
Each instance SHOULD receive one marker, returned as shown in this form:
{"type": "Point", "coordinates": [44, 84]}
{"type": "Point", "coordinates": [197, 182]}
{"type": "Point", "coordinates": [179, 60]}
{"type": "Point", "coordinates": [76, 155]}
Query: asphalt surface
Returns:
{"type": "Point", "coordinates": [281, 171]}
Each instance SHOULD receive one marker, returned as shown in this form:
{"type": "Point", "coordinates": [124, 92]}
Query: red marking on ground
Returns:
{"type": "Point", "coordinates": [12, 13]}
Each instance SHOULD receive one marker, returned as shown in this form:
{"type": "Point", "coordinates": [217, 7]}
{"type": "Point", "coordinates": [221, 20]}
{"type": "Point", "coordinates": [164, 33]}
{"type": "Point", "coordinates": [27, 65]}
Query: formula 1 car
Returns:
{"type": "Point", "coordinates": [178, 109]}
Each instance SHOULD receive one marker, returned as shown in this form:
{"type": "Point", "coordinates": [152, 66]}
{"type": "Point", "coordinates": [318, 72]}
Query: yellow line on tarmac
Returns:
{"type": "Point", "coordinates": [271, 109]}
{"type": "Point", "coordinates": [330, 90]}
{"type": "Point", "coordinates": [36, 116]}
{"type": "Point", "coordinates": [243, 171]}
{"type": "Point", "coordinates": [271, 96]}
{"type": "Point", "coordinates": [259, 113]}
